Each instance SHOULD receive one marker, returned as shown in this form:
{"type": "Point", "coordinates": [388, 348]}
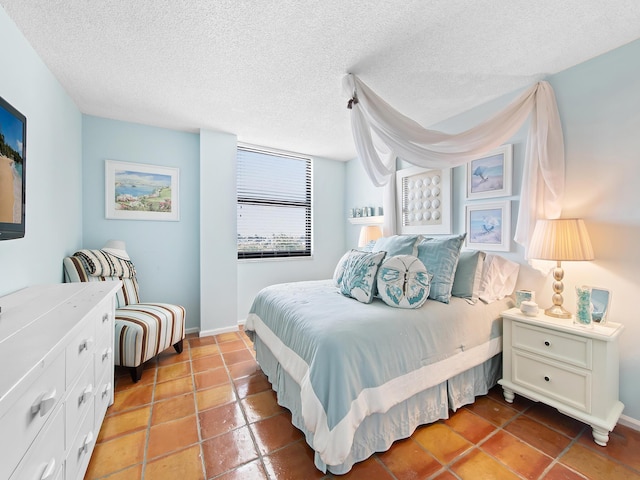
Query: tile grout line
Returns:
{"type": "Point", "coordinates": [196, 410]}
{"type": "Point", "coordinates": [244, 413]}
{"type": "Point", "coordinates": [148, 430]}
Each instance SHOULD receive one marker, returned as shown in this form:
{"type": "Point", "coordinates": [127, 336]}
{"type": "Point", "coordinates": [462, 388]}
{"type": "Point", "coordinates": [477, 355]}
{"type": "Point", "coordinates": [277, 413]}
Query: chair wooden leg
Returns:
{"type": "Point", "coordinates": [179, 345]}
{"type": "Point", "coordinates": [136, 373]}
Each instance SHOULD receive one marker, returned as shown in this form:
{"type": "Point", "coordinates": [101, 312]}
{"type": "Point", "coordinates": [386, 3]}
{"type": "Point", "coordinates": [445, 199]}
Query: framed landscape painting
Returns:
{"type": "Point", "coordinates": [490, 175]}
{"type": "Point", "coordinates": [488, 226]}
{"type": "Point", "coordinates": [136, 191]}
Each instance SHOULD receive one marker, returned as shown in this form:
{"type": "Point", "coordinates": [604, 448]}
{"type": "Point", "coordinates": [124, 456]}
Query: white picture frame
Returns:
{"type": "Point", "coordinates": [491, 175]}
{"type": "Point", "coordinates": [137, 191]}
{"type": "Point", "coordinates": [423, 200]}
{"type": "Point", "coordinates": [488, 226]}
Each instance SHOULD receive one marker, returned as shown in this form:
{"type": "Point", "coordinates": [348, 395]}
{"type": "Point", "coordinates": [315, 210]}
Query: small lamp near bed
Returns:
{"type": "Point", "coordinates": [369, 233]}
{"type": "Point", "coordinates": [564, 239]}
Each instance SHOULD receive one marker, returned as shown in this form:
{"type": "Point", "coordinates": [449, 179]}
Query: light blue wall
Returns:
{"type": "Point", "coordinates": [599, 104]}
{"type": "Point", "coordinates": [193, 262]}
{"type": "Point", "coordinates": [53, 166]}
{"type": "Point", "coordinates": [218, 244]}
{"type": "Point", "coordinates": [166, 254]}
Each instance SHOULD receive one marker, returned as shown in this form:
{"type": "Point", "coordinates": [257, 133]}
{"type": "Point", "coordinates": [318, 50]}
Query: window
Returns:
{"type": "Point", "coordinates": [274, 204]}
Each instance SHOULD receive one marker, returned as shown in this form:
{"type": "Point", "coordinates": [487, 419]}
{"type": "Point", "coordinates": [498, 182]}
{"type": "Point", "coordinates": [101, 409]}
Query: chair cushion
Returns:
{"type": "Point", "coordinates": [145, 329]}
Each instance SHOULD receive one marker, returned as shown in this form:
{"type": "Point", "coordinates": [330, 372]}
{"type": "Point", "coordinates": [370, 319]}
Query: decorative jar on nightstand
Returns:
{"type": "Point", "coordinates": [556, 362]}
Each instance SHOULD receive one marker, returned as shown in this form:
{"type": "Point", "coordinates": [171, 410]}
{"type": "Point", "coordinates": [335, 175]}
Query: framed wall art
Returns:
{"type": "Point", "coordinates": [490, 175]}
{"type": "Point", "coordinates": [488, 226]}
{"type": "Point", "coordinates": [136, 191]}
{"type": "Point", "coordinates": [423, 200]}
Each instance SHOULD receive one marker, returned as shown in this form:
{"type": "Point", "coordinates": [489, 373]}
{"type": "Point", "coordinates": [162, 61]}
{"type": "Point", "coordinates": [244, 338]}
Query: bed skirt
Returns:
{"type": "Point", "coordinates": [378, 431]}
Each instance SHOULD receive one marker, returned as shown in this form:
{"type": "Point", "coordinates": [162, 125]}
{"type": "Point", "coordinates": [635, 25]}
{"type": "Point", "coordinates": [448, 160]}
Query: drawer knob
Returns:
{"type": "Point", "coordinates": [49, 470]}
{"type": "Point", "coordinates": [86, 394]}
{"type": "Point", "coordinates": [85, 345]}
{"type": "Point", "coordinates": [105, 317]}
{"type": "Point", "coordinates": [106, 354]}
{"type": "Point", "coordinates": [106, 389]}
{"type": "Point", "coordinates": [44, 403]}
{"type": "Point", "coordinates": [84, 448]}
{"type": "Point", "coordinates": [547, 343]}
{"type": "Point", "coordinates": [547, 379]}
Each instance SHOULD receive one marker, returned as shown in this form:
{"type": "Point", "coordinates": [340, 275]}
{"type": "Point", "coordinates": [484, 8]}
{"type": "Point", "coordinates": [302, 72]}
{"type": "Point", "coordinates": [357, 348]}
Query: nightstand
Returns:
{"type": "Point", "coordinates": [572, 368]}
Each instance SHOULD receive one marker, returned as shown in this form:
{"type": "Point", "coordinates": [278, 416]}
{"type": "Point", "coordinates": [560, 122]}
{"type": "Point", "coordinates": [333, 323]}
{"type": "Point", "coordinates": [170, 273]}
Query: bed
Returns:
{"type": "Point", "coordinates": [358, 376]}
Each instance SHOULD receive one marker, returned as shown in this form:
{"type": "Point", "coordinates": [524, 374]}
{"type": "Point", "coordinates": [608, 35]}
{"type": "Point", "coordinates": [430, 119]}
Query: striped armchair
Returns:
{"type": "Point", "coordinates": [142, 330]}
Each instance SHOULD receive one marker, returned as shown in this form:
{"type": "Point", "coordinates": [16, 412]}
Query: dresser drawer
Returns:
{"type": "Point", "coordinates": [80, 350]}
{"type": "Point", "coordinates": [79, 450]}
{"type": "Point", "coordinates": [44, 460]}
{"type": "Point", "coordinates": [566, 384]}
{"type": "Point", "coordinates": [79, 401]}
{"type": "Point", "coordinates": [26, 417]}
{"type": "Point", "coordinates": [566, 348]}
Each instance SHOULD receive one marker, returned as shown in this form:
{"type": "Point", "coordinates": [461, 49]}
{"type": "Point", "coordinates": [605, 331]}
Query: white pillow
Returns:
{"type": "Point", "coordinates": [498, 278]}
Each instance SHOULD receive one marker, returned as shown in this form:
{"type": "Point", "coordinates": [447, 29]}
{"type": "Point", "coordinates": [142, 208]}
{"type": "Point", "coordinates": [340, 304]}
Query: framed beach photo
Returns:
{"type": "Point", "coordinates": [490, 175]}
{"type": "Point", "coordinates": [136, 191]}
{"type": "Point", "coordinates": [488, 226]}
{"type": "Point", "coordinates": [423, 200]}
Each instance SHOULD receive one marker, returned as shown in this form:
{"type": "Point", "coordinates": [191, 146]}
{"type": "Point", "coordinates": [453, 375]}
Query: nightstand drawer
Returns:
{"type": "Point", "coordinates": [555, 345]}
{"type": "Point", "coordinates": [564, 383]}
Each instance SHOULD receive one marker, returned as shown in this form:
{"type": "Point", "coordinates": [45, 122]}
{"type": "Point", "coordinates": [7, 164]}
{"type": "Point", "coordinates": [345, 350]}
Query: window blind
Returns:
{"type": "Point", "coordinates": [274, 204]}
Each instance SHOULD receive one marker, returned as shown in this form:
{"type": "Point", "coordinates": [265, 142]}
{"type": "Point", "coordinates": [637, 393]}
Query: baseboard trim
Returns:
{"type": "Point", "coordinates": [629, 422]}
{"type": "Point", "coordinates": [217, 331]}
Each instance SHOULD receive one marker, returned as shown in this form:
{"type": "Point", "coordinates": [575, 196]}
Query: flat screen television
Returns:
{"type": "Point", "coordinates": [13, 142]}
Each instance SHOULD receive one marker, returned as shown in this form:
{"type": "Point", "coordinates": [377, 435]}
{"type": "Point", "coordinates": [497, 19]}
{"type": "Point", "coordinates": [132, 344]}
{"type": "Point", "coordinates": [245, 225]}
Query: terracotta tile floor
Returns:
{"type": "Point", "coordinates": [209, 413]}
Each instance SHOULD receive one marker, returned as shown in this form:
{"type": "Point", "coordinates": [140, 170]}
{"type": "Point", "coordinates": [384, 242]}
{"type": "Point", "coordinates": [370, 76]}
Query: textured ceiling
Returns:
{"type": "Point", "coordinates": [271, 72]}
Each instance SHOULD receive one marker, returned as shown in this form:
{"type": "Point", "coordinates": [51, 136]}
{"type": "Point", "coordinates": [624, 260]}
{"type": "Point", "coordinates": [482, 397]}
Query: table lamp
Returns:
{"type": "Point", "coordinates": [564, 239]}
{"type": "Point", "coordinates": [369, 233]}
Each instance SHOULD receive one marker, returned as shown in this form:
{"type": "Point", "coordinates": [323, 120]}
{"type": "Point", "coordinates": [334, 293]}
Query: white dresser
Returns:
{"type": "Point", "coordinates": [567, 366]}
{"type": "Point", "coordinates": [56, 380]}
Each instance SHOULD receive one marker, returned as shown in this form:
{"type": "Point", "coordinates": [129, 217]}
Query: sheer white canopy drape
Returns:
{"type": "Point", "coordinates": [381, 134]}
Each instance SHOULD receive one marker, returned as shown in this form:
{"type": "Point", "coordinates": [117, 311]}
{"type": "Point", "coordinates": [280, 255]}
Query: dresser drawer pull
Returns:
{"type": "Point", "coordinates": [106, 390]}
{"type": "Point", "coordinates": [44, 403]}
{"type": "Point", "coordinates": [547, 379]}
{"type": "Point", "coordinates": [49, 470]}
{"type": "Point", "coordinates": [547, 343]}
{"type": "Point", "coordinates": [86, 443]}
{"type": "Point", "coordinates": [106, 317]}
{"type": "Point", "coordinates": [106, 354]}
{"type": "Point", "coordinates": [86, 394]}
{"type": "Point", "coordinates": [85, 345]}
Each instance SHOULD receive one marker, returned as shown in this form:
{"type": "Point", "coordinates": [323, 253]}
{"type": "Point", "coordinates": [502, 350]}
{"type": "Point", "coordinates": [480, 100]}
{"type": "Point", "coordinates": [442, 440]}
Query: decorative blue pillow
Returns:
{"type": "Point", "coordinates": [403, 281]}
{"type": "Point", "coordinates": [359, 277]}
{"type": "Point", "coordinates": [466, 283]}
{"type": "Point", "coordinates": [440, 256]}
{"type": "Point", "coordinates": [398, 245]}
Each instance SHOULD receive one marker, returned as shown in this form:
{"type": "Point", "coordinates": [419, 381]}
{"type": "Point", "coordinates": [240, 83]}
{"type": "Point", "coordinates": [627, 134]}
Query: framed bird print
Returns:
{"type": "Point", "coordinates": [488, 226]}
{"type": "Point", "coordinates": [490, 175]}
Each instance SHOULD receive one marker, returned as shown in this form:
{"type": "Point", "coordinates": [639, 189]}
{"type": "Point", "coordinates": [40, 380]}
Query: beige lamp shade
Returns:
{"type": "Point", "coordinates": [369, 233]}
{"type": "Point", "coordinates": [564, 239]}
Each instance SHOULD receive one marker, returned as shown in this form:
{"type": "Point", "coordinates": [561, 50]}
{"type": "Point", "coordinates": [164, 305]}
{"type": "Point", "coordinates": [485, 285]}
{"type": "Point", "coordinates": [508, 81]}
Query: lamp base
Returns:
{"type": "Point", "coordinates": [557, 311]}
